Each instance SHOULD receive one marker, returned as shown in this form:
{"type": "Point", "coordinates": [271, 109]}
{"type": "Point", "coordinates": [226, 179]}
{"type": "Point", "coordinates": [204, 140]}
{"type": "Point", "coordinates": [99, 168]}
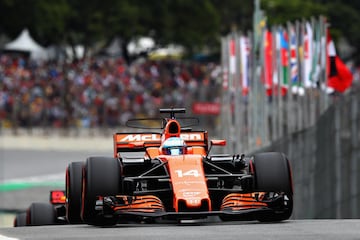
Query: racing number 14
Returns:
{"type": "Point", "coordinates": [194, 173]}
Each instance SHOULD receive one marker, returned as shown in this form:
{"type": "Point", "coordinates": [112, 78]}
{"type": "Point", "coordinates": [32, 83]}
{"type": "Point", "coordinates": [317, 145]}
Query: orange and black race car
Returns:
{"type": "Point", "coordinates": [171, 174]}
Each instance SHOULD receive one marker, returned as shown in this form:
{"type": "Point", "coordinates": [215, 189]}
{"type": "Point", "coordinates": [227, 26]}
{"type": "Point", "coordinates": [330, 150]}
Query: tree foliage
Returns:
{"type": "Point", "coordinates": [342, 16]}
{"type": "Point", "coordinates": [194, 24]}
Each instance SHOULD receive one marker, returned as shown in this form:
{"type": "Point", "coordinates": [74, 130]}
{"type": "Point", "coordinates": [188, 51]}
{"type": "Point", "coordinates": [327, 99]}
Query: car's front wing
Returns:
{"type": "Point", "coordinates": [234, 206]}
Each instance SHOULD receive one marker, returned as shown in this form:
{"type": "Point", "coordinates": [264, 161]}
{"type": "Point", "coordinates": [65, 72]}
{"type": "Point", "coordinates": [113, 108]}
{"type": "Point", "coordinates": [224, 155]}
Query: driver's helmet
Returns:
{"type": "Point", "coordinates": [174, 146]}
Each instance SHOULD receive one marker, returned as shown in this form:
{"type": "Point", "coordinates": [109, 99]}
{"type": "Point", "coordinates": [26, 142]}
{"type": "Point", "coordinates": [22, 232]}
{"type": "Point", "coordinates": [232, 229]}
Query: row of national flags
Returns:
{"type": "Point", "coordinates": [278, 79]}
{"type": "Point", "coordinates": [294, 58]}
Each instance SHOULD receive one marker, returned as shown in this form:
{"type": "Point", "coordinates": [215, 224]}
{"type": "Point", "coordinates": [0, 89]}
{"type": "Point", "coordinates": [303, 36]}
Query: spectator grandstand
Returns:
{"type": "Point", "coordinates": [98, 92]}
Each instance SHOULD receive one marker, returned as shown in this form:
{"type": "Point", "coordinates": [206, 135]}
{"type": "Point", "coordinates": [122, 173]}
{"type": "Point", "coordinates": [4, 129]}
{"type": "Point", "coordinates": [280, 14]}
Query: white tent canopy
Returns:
{"type": "Point", "coordinates": [25, 43]}
{"type": "Point", "coordinates": [142, 44]}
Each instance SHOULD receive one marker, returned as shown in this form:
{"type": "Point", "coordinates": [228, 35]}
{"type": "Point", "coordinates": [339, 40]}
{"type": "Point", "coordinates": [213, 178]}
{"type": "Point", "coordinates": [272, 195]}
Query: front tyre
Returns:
{"type": "Point", "coordinates": [272, 173]}
{"type": "Point", "coordinates": [41, 214]}
{"type": "Point", "coordinates": [73, 192]}
{"type": "Point", "coordinates": [101, 177]}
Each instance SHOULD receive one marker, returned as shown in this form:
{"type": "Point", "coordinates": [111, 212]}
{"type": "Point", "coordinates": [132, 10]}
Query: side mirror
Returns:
{"type": "Point", "coordinates": [221, 142]}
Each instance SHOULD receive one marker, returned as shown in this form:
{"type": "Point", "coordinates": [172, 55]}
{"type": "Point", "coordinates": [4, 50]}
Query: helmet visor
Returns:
{"type": "Point", "coordinates": [174, 151]}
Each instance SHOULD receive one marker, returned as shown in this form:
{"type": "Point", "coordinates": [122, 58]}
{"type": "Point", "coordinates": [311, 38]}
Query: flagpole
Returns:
{"type": "Point", "coordinates": [291, 111]}
{"type": "Point", "coordinates": [300, 57]}
{"type": "Point", "coordinates": [274, 97]}
{"type": "Point", "coordinates": [238, 108]}
{"type": "Point", "coordinates": [307, 46]}
{"type": "Point", "coordinates": [255, 97]}
{"type": "Point", "coordinates": [278, 81]}
{"type": "Point", "coordinates": [232, 92]}
{"type": "Point", "coordinates": [225, 110]}
{"type": "Point", "coordinates": [314, 92]}
{"type": "Point", "coordinates": [324, 29]}
{"type": "Point", "coordinates": [300, 97]}
{"type": "Point", "coordinates": [250, 83]}
{"type": "Point", "coordinates": [243, 88]}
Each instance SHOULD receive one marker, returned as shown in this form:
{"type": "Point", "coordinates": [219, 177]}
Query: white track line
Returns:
{"type": "Point", "coordinates": [2, 237]}
{"type": "Point", "coordinates": [36, 179]}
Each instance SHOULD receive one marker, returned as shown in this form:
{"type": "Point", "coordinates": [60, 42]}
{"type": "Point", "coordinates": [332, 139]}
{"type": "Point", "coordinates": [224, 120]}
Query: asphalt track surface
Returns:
{"type": "Point", "coordinates": [292, 229]}
{"type": "Point", "coordinates": [26, 176]}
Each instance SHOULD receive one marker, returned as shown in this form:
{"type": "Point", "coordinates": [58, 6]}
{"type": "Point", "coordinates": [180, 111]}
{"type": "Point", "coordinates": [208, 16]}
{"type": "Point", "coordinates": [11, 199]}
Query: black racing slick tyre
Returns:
{"type": "Point", "coordinates": [73, 192]}
{"type": "Point", "coordinates": [20, 219]}
{"type": "Point", "coordinates": [101, 177]}
{"type": "Point", "coordinates": [272, 173]}
{"type": "Point", "coordinates": [41, 214]}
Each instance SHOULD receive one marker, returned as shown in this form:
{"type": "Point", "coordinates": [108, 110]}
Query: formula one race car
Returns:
{"type": "Point", "coordinates": [172, 175]}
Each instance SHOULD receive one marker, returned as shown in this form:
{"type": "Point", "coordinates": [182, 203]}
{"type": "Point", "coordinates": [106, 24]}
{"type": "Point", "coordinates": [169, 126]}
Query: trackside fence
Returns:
{"type": "Point", "coordinates": [325, 159]}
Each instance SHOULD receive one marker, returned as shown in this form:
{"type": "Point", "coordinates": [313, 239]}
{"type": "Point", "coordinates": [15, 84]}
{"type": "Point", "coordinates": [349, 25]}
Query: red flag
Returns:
{"type": "Point", "coordinates": [339, 76]}
{"type": "Point", "coordinates": [268, 68]}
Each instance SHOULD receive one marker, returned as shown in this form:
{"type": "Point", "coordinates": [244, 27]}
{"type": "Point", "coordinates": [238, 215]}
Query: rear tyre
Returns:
{"type": "Point", "coordinates": [20, 220]}
{"type": "Point", "coordinates": [101, 177]}
{"type": "Point", "coordinates": [73, 192]}
{"type": "Point", "coordinates": [273, 175]}
{"type": "Point", "coordinates": [41, 214]}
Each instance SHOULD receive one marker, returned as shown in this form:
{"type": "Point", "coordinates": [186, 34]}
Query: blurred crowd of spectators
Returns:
{"type": "Point", "coordinates": [99, 91]}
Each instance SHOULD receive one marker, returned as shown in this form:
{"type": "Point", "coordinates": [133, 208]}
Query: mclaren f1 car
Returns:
{"type": "Point", "coordinates": [171, 174]}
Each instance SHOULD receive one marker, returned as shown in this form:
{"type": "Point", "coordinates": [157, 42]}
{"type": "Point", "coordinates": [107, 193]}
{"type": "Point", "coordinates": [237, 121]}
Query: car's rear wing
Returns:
{"type": "Point", "coordinates": [123, 142]}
